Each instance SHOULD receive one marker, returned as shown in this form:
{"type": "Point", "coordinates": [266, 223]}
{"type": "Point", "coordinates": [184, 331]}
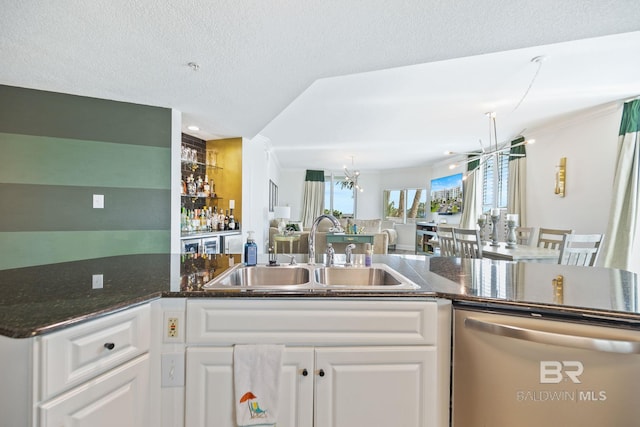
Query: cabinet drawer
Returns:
{"type": "Point", "coordinates": [79, 353]}
{"type": "Point", "coordinates": [118, 398]}
{"type": "Point", "coordinates": [312, 322]}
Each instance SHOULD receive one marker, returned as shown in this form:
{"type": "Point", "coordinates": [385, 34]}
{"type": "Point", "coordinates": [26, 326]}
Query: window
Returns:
{"type": "Point", "coordinates": [404, 205]}
{"type": "Point", "coordinates": [393, 205]}
{"type": "Point", "coordinates": [495, 185]}
{"type": "Point", "coordinates": [339, 200]}
{"type": "Point", "coordinates": [416, 204]}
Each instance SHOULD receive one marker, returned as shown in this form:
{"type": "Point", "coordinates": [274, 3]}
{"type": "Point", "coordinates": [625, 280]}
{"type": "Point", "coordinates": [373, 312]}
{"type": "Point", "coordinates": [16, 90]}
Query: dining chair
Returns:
{"type": "Point", "coordinates": [524, 235]}
{"type": "Point", "coordinates": [446, 241]}
{"type": "Point", "coordinates": [468, 242]}
{"type": "Point", "coordinates": [551, 238]}
{"type": "Point", "coordinates": [580, 249]}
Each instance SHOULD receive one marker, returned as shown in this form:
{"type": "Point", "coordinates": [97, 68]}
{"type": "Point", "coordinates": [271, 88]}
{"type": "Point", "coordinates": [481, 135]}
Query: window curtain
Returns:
{"type": "Point", "coordinates": [516, 199]}
{"type": "Point", "coordinates": [472, 196]}
{"type": "Point", "coordinates": [313, 197]}
{"type": "Point", "coordinates": [623, 215]}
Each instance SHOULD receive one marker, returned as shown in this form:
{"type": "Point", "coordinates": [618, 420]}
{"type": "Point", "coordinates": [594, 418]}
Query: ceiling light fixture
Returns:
{"type": "Point", "coordinates": [193, 128]}
{"type": "Point", "coordinates": [493, 152]}
{"type": "Point", "coordinates": [351, 177]}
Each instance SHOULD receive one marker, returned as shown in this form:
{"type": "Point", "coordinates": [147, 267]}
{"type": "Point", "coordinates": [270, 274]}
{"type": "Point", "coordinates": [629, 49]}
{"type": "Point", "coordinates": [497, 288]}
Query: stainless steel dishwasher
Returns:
{"type": "Point", "coordinates": [513, 369]}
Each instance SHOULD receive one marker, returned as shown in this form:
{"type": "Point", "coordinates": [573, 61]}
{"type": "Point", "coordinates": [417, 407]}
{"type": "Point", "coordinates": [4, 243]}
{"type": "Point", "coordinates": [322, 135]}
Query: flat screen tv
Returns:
{"type": "Point", "coordinates": [446, 194]}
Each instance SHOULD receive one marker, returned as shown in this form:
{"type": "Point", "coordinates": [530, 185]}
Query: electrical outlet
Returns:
{"type": "Point", "coordinates": [172, 327]}
{"type": "Point", "coordinates": [172, 370]}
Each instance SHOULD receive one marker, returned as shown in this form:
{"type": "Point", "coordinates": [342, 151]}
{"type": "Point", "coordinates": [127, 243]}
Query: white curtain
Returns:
{"type": "Point", "coordinates": [472, 200]}
{"type": "Point", "coordinates": [313, 197]}
{"type": "Point", "coordinates": [517, 182]}
{"type": "Point", "coordinates": [623, 215]}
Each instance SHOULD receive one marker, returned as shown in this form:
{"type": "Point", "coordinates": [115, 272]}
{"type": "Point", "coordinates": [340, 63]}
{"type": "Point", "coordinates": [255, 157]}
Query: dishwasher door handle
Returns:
{"type": "Point", "coordinates": [554, 338]}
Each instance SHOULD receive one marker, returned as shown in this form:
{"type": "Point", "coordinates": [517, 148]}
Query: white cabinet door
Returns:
{"type": "Point", "coordinates": [376, 386]}
{"type": "Point", "coordinates": [210, 394]}
{"type": "Point", "coordinates": [118, 398]}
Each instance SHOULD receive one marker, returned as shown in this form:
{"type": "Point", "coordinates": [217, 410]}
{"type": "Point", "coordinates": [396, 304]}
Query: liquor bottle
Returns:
{"type": "Point", "coordinates": [208, 215]}
{"type": "Point", "coordinates": [191, 185]}
{"type": "Point", "coordinates": [214, 219]}
{"type": "Point", "coordinates": [203, 219]}
{"type": "Point", "coordinates": [206, 187]}
{"type": "Point", "coordinates": [199, 186]}
{"type": "Point", "coordinates": [226, 220]}
{"type": "Point", "coordinates": [232, 221]}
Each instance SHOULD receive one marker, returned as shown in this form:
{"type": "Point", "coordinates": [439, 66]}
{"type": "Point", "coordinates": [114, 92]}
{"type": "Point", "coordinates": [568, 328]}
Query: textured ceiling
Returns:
{"type": "Point", "coordinates": [257, 57]}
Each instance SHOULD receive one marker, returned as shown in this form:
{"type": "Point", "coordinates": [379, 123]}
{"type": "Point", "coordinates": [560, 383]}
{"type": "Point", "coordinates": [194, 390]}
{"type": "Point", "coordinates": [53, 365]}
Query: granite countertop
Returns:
{"type": "Point", "coordinates": [42, 299]}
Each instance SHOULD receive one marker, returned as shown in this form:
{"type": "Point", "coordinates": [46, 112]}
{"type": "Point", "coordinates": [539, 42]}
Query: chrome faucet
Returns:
{"type": "Point", "coordinates": [347, 251]}
{"type": "Point", "coordinates": [312, 234]}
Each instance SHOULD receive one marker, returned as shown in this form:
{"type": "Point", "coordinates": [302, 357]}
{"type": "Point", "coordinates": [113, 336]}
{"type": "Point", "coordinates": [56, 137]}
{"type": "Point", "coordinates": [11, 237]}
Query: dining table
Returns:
{"type": "Point", "coordinates": [520, 253]}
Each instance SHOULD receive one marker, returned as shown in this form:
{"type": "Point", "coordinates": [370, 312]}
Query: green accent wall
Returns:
{"type": "Point", "coordinates": [56, 152]}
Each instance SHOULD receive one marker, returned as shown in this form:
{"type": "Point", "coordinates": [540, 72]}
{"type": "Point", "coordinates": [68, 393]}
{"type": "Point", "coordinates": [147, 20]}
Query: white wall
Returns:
{"type": "Point", "coordinates": [290, 190]}
{"type": "Point", "coordinates": [589, 142]}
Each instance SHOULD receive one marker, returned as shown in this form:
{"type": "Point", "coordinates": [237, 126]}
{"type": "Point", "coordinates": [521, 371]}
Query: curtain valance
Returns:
{"type": "Point", "coordinates": [519, 151]}
{"type": "Point", "coordinates": [314, 176]}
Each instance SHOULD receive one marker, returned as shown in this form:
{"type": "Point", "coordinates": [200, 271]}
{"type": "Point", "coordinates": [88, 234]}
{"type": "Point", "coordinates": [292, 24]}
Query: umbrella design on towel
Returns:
{"type": "Point", "coordinates": [254, 407]}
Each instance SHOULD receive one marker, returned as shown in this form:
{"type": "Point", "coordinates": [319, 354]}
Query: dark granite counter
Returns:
{"type": "Point", "coordinates": [42, 299]}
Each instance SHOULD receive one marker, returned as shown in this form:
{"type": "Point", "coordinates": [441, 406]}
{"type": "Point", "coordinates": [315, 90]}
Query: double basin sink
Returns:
{"type": "Point", "coordinates": [309, 277]}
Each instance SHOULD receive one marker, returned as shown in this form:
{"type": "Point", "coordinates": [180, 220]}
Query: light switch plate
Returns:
{"type": "Point", "coordinates": [172, 369]}
{"type": "Point", "coordinates": [98, 201]}
{"type": "Point", "coordinates": [97, 281]}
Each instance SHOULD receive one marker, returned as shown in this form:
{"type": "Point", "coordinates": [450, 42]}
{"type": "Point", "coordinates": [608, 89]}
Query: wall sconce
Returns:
{"type": "Point", "coordinates": [561, 176]}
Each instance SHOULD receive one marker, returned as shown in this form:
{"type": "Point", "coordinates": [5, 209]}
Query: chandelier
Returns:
{"type": "Point", "coordinates": [351, 177]}
{"type": "Point", "coordinates": [495, 151]}
{"type": "Point", "coordinates": [492, 153]}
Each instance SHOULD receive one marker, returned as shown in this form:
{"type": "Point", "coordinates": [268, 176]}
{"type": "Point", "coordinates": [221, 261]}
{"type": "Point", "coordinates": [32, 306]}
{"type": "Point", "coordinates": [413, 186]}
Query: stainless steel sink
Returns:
{"type": "Point", "coordinates": [379, 276]}
{"type": "Point", "coordinates": [309, 277]}
{"type": "Point", "coordinates": [261, 276]}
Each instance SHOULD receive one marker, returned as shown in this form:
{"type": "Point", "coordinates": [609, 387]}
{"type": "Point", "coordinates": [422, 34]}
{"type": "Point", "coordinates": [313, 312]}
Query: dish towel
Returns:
{"type": "Point", "coordinates": [256, 376]}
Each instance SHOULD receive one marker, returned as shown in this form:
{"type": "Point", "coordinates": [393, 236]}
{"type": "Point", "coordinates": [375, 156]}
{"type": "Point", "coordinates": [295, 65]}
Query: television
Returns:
{"type": "Point", "coordinates": [446, 195]}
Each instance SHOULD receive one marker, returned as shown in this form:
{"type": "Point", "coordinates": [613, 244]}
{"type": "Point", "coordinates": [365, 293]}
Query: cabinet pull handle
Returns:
{"type": "Point", "coordinates": [109, 345]}
{"type": "Point", "coordinates": [305, 372]}
{"type": "Point", "coordinates": [321, 372]}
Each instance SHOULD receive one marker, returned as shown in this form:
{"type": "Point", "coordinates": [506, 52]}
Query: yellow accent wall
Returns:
{"type": "Point", "coordinates": [227, 155]}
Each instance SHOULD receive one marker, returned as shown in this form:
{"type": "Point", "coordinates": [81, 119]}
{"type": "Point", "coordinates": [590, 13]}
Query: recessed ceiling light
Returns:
{"type": "Point", "coordinates": [192, 127]}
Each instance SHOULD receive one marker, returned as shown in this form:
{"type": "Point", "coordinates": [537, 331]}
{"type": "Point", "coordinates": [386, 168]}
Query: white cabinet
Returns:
{"type": "Point", "coordinates": [346, 362]}
{"type": "Point", "coordinates": [347, 386]}
{"type": "Point", "coordinates": [117, 398]}
{"type": "Point", "coordinates": [93, 374]}
{"type": "Point", "coordinates": [210, 396]}
{"type": "Point", "coordinates": [96, 373]}
{"type": "Point", "coordinates": [376, 386]}
{"type": "Point", "coordinates": [71, 356]}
